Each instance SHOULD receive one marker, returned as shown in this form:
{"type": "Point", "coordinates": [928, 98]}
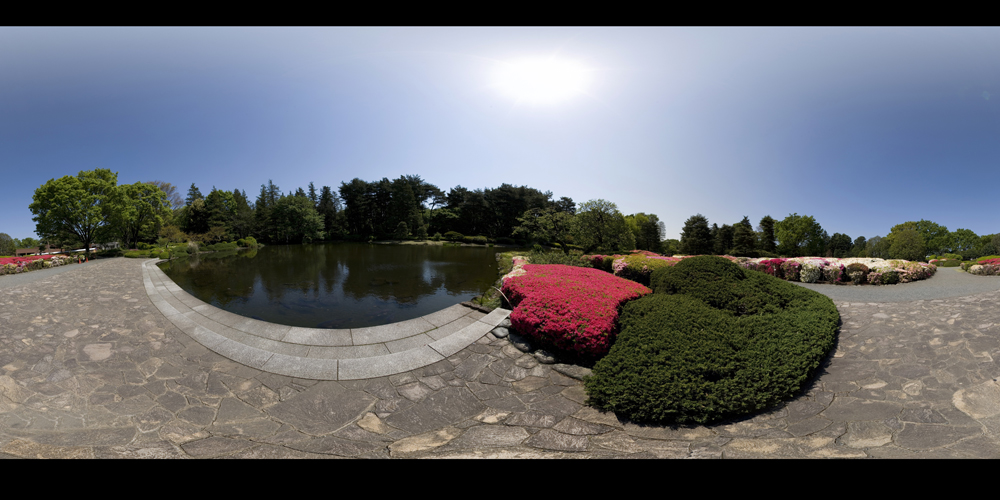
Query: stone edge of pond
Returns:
{"type": "Point", "coordinates": [314, 353]}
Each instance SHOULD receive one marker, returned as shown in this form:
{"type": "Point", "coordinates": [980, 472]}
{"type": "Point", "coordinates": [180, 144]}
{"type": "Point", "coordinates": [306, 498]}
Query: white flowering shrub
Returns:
{"type": "Point", "coordinates": [810, 272]}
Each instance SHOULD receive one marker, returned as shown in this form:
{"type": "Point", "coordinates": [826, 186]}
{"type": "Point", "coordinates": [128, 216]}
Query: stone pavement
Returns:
{"type": "Point", "coordinates": [317, 353]}
{"type": "Point", "coordinates": [92, 369]}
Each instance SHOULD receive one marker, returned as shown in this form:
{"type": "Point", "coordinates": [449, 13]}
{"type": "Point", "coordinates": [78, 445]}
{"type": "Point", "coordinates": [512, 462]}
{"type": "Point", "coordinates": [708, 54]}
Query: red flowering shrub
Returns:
{"type": "Point", "coordinates": [23, 260]}
{"type": "Point", "coordinates": [772, 267]}
{"type": "Point", "coordinates": [569, 308]}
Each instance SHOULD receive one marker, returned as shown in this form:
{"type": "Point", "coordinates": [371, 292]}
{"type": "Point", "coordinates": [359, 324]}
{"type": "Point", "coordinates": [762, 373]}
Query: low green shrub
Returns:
{"type": "Point", "coordinates": [218, 247]}
{"type": "Point", "coordinates": [110, 252]}
{"type": "Point", "coordinates": [557, 257]}
{"type": "Point", "coordinates": [712, 342]}
{"type": "Point", "coordinates": [143, 246]}
{"type": "Point", "coordinates": [453, 236]}
{"type": "Point", "coordinates": [988, 257]}
{"type": "Point", "coordinates": [638, 267]}
{"type": "Point", "coordinates": [137, 254]}
{"type": "Point", "coordinates": [951, 256]}
{"type": "Point", "coordinates": [948, 263]}
{"type": "Point", "coordinates": [607, 264]}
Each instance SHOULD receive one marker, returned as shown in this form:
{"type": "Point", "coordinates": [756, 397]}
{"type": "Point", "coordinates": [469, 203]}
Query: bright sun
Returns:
{"type": "Point", "coordinates": [541, 80]}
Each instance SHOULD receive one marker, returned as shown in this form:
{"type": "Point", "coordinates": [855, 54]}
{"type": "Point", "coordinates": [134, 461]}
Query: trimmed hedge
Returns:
{"type": "Point", "coordinates": [712, 342]}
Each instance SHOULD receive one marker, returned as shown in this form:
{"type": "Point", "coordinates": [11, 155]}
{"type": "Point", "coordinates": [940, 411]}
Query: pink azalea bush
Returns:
{"type": "Point", "coordinates": [571, 308]}
{"type": "Point", "coordinates": [15, 265]}
{"type": "Point", "coordinates": [831, 270]}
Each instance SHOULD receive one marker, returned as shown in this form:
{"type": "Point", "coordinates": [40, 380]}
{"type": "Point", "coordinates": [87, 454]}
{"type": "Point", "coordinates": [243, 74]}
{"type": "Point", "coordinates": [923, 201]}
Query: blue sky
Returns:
{"type": "Point", "coordinates": [861, 128]}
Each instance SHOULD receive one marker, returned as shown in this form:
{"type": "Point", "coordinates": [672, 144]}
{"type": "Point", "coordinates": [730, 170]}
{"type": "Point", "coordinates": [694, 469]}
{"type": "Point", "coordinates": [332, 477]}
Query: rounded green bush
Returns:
{"type": "Point", "coordinates": [685, 356]}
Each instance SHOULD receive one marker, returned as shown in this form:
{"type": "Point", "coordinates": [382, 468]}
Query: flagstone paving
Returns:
{"type": "Point", "coordinates": [91, 368]}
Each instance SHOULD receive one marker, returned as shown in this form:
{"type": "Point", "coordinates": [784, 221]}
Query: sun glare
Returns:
{"type": "Point", "coordinates": [541, 80]}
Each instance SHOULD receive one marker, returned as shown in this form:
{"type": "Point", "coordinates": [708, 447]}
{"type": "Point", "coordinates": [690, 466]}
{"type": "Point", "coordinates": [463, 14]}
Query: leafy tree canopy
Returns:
{"type": "Point", "coordinates": [75, 206]}
{"type": "Point", "coordinates": [799, 235]}
{"type": "Point", "coordinates": [907, 244]}
{"type": "Point", "coordinates": [599, 227]}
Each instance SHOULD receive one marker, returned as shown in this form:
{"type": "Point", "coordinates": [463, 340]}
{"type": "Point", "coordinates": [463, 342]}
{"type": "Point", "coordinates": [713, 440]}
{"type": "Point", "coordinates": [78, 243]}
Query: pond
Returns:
{"type": "Point", "coordinates": [337, 285]}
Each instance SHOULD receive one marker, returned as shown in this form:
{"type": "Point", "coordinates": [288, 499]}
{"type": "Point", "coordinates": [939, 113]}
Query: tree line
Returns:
{"type": "Point", "coordinates": [800, 235]}
{"type": "Point", "coordinates": [92, 208]}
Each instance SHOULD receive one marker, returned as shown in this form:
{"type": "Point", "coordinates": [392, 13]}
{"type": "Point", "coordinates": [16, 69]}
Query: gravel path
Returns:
{"type": "Point", "coordinates": [947, 282]}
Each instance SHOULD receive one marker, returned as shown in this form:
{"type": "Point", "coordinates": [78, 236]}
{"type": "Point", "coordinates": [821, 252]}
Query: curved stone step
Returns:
{"type": "Point", "coordinates": [316, 353]}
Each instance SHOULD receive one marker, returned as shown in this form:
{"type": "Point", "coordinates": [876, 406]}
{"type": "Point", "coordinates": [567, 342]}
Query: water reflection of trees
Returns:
{"type": "Point", "coordinates": [300, 274]}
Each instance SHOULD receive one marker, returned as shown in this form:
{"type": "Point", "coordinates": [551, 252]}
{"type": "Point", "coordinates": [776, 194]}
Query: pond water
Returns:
{"type": "Point", "coordinates": [337, 285]}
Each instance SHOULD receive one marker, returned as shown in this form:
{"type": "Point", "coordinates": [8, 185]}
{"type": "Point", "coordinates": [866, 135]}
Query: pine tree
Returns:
{"type": "Point", "coordinates": [744, 239]}
{"type": "Point", "coordinates": [696, 238]}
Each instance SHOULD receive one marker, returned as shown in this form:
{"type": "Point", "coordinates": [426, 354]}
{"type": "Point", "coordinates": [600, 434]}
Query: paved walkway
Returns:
{"type": "Point", "coordinates": [315, 353]}
{"type": "Point", "coordinates": [91, 368]}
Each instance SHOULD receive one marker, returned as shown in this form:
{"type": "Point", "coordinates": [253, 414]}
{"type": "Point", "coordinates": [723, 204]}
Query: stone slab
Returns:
{"type": "Point", "coordinates": [390, 364]}
{"type": "Point", "coordinates": [461, 339]}
{"type": "Point", "coordinates": [390, 332]}
{"type": "Point", "coordinates": [348, 352]}
{"type": "Point", "coordinates": [300, 367]}
{"type": "Point", "coordinates": [318, 337]}
{"type": "Point", "coordinates": [447, 315]}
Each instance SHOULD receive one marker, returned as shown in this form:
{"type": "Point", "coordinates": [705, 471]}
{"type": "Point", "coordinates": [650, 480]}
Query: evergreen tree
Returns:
{"type": "Point", "coordinates": [840, 246]}
{"type": "Point", "coordinates": [242, 224]}
{"type": "Point", "coordinates": [193, 194]}
{"type": "Point", "coordinates": [858, 249]}
{"type": "Point", "coordinates": [312, 194]}
{"type": "Point", "coordinates": [724, 239]}
{"type": "Point", "coordinates": [329, 208]}
{"type": "Point", "coordinates": [766, 233]}
{"type": "Point", "coordinates": [696, 238]}
{"type": "Point", "coordinates": [744, 240]}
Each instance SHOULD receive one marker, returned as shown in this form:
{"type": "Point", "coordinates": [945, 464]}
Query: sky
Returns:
{"type": "Point", "coordinates": [860, 128]}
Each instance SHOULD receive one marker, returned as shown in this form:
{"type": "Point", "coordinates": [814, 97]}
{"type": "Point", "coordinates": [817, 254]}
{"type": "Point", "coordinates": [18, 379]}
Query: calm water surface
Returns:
{"type": "Point", "coordinates": [337, 285]}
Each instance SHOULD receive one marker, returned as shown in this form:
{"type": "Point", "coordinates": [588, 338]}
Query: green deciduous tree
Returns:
{"type": "Point", "coordinates": [877, 248]}
{"type": "Point", "coordinates": [79, 206]}
{"type": "Point", "coordinates": [799, 235]}
{"type": "Point", "coordinates": [296, 221]}
{"type": "Point", "coordinates": [646, 229]}
{"type": "Point", "coordinates": [907, 244]}
{"type": "Point", "coordinates": [7, 246]}
{"type": "Point", "coordinates": [546, 225]}
{"type": "Point", "coordinates": [963, 240]}
{"type": "Point", "coordinates": [599, 227]}
{"type": "Point", "coordinates": [137, 207]}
